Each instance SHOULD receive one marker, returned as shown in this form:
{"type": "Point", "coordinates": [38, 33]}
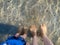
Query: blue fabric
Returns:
{"type": "Point", "coordinates": [14, 41]}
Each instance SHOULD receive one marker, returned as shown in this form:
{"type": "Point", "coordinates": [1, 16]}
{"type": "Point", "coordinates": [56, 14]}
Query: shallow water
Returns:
{"type": "Point", "coordinates": [27, 12]}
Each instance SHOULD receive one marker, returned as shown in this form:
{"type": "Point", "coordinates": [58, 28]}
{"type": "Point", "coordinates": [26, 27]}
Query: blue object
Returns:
{"type": "Point", "coordinates": [14, 41]}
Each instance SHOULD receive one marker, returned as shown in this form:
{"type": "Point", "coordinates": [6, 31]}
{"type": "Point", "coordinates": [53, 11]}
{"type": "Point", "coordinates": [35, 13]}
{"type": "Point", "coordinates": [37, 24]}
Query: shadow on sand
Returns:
{"type": "Point", "coordinates": [6, 29]}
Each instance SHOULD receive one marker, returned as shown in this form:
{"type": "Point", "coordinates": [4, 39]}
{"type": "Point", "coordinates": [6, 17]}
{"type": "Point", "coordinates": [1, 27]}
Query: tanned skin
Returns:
{"type": "Point", "coordinates": [43, 35]}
